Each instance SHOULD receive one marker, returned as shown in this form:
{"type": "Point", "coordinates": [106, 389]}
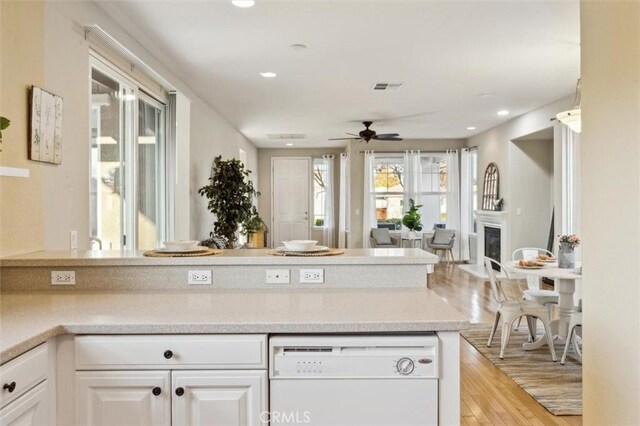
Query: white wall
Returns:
{"type": "Point", "coordinates": [494, 145]}
{"type": "Point", "coordinates": [610, 34]}
{"type": "Point", "coordinates": [212, 135]}
{"type": "Point", "coordinates": [531, 165]}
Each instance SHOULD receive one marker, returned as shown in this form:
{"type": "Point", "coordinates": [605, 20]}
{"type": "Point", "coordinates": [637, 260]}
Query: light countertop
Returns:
{"type": "Point", "coordinates": [395, 256]}
{"type": "Point", "coordinates": [30, 318]}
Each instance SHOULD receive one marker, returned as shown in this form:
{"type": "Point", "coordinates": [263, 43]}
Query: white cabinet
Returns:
{"type": "Point", "coordinates": [123, 398]}
{"type": "Point", "coordinates": [218, 398]}
{"type": "Point", "coordinates": [31, 409]}
{"type": "Point", "coordinates": [170, 380]}
{"type": "Point", "coordinates": [24, 389]}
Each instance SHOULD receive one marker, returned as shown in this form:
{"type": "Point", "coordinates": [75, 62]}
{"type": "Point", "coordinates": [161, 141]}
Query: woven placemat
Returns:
{"type": "Point", "coordinates": [329, 252]}
{"type": "Point", "coordinates": [209, 252]}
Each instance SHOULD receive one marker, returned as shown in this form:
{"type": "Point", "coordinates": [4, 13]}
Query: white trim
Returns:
{"type": "Point", "coordinates": [14, 172]}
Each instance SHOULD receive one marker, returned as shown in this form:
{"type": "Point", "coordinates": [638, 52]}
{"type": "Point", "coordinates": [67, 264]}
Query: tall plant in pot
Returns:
{"type": "Point", "coordinates": [252, 227]}
{"type": "Point", "coordinates": [230, 194]}
{"type": "Point", "coordinates": [412, 219]}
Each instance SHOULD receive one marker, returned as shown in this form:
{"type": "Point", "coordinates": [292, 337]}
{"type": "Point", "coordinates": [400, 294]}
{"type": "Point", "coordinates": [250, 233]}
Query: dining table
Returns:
{"type": "Point", "coordinates": [564, 284]}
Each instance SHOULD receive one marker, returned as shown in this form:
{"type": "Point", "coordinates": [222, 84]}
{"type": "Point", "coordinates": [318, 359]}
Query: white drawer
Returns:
{"type": "Point", "coordinates": [22, 373]}
{"type": "Point", "coordinates": [171, 351]}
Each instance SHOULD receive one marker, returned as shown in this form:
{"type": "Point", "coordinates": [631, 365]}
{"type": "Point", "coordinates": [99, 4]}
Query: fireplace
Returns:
{"type": "Point", "coordinates": [492, 244]}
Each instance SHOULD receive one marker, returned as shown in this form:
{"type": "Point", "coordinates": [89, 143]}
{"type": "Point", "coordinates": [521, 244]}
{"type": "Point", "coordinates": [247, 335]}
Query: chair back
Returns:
{"type": "Point", "coordinates": [496, 286]}
{"type": "Point", "coordinates": [444, 237]}
{"type": "Point", "coordinates": [530, 253]}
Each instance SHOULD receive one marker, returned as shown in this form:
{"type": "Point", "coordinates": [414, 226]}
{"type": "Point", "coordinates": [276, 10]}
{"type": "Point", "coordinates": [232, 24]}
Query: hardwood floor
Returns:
{"type": "Point", "coordinates": [488, 396]}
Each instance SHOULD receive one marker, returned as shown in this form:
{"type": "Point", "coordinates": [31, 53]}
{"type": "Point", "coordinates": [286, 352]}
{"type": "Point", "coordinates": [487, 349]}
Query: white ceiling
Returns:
{"type": "Point", "coordinates": [447, 53]}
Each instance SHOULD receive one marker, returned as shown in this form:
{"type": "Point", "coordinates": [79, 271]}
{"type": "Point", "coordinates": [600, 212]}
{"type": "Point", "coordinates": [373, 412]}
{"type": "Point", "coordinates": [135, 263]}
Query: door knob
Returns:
{"type": "Point", "coordinates": [180, 391]}
{"type": "Point", "coordinates": [156, 391]}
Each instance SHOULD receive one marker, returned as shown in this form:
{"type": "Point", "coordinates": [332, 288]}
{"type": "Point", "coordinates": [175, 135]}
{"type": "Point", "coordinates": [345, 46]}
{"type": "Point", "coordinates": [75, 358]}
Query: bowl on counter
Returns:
{"type": "Point", "coordinates": [300, 245]}
{"type": "Point", "coordinates": [181, 245]}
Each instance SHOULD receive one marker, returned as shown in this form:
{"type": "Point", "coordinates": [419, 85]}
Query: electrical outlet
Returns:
{"type": "Point", "coordinates": [311, 276]}
{"type": "Point", "coordinates": [199, 277]}
{"type": "Point", "coordinates": [277, 276]}
{"type": "Point", "coordinates": [518, 211]}
{"type": "Point", "coordinates": [63, 278]}
{"type": "Point", "coordinates": [73, 240]}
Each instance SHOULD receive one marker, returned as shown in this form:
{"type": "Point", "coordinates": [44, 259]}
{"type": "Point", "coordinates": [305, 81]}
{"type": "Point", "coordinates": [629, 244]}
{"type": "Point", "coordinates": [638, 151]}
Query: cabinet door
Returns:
{"type": "Point", "coordinates": [30, 409]}
{"type": "Point", "coordinates": [123, 398]}
{"type": "Point", "coordinates": [219, 398]}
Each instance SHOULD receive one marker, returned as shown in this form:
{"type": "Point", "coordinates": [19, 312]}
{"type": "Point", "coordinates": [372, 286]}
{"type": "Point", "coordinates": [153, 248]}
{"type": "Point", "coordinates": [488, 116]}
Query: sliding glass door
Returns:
{"type": "Point", "coordinates": [127, 163]}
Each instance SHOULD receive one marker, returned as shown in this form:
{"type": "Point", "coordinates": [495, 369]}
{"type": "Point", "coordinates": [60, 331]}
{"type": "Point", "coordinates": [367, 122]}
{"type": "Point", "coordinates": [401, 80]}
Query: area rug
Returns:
{"type": "Point", "coordinates": [556, 387]}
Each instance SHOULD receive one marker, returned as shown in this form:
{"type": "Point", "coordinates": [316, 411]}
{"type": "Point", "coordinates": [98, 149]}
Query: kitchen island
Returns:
{"type": "Point", "coordinates": [95, 352]}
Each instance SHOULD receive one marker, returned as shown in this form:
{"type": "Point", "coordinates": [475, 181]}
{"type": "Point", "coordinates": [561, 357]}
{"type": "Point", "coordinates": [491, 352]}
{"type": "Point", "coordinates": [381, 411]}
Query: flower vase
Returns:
{"type": "Point", "coordinates": [566, 256]}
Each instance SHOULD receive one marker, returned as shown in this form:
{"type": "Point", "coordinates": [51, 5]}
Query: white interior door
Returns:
{"type": "Point", "coordinates": [290, 199]}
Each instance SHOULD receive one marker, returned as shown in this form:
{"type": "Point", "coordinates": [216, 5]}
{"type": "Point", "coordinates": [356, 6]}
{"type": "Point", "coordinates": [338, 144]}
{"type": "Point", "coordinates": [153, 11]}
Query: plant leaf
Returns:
{"type": "Point", "coordinates": [4, 123]}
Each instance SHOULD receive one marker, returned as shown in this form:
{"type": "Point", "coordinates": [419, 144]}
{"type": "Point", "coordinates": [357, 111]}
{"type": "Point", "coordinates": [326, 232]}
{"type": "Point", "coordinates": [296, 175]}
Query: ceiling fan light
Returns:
{"type": "Point", "coordinates": [571, 118]}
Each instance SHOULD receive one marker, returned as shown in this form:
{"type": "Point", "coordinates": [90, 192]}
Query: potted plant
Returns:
{"type": "Point", "coordinates": [566, 250]}
{"type": "Point", "coordinates": [412, 219]}
{"type": "Point", "coordinates": [230, 194]}
{"type": "Point", "coordinates": [4, 123]}
{"type": "Point", "coordinates": [251, 227]}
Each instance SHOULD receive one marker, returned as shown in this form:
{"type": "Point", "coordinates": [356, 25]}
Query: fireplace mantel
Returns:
{"type": "Point", "coordinates": [493, 219]}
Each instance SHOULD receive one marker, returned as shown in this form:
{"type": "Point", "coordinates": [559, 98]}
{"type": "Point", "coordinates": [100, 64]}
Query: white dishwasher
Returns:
{"type": "Point", "coordinates": [354, 380]}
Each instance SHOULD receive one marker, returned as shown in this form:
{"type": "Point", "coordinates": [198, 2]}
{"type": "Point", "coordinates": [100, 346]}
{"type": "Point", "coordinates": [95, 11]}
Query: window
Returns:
{"type": "Point", "coordinates": [391, 193]}
{"type": "Point", "coordinates": [128, 163]}
{"type": "Point", "coordinates": [319, 191]}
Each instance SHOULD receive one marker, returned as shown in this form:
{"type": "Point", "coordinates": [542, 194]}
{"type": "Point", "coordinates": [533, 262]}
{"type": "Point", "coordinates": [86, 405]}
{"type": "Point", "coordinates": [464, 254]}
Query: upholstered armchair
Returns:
{"type": "Point", "coordinates": [381, 238]}
{"type": "Point", "coordinates": [442, 240]}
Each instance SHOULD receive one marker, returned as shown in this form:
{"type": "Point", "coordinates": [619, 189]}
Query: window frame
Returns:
{"type": "Point", "coordinates": [129, 154]}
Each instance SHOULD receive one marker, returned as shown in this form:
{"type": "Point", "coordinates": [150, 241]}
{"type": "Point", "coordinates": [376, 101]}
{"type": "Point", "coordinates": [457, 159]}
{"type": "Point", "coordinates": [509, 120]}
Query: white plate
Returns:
{"type": "Point", "coordinates": [315, 249]}
{"type": "Point", "coordinates": [193, 250]}
{"type": "Point", "coordinates": [529, 267]}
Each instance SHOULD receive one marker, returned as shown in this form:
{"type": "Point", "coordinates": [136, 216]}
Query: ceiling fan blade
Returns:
{"type": "Point", "coordinates": [353, 134]}
{"type": "Point", "coordinates": [386, 135]}
{"type": "Point", "coordinates": [393, 138]}
{"type": "Point", "coordinates": [343, 139]}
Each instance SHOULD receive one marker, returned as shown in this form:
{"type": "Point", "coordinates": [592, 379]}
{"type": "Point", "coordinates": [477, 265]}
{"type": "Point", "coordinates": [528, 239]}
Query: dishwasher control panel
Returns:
{"type": "Point", "coordinates": [354, 356]}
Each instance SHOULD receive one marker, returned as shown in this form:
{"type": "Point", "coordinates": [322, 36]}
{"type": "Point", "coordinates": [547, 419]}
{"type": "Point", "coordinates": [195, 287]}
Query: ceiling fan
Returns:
{"type": "Point", "coordinates": [368, 134]}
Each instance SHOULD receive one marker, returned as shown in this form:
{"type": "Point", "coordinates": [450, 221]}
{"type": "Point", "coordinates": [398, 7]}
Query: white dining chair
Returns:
{"type": "Point", "coordinates": [510, 310]}
{"type": "Point", "coordinates": [533, 292]}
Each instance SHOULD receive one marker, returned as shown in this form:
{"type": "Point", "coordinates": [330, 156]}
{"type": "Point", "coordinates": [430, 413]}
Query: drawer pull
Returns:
{"type": "Point", "coordinates": [180, 391]}
{"type": "Point", "coordinates": [156, 391]}
{"type": "Point", "coordinates": [10, 387]}
{"type": "Point", "coordinates": [168, 354]}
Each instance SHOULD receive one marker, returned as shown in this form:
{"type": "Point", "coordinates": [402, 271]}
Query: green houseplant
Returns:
{"type": "Point", "coordinates": [230, 194]}
{"type": "Point", "coordinates": [252, 225]}
{"type": "Point", "coordinates": [412, 218]}
{"type": "Point", "coordinates": [4, 123]}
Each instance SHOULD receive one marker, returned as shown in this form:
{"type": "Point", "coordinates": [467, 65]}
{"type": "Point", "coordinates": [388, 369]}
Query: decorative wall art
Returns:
{"type": "Point", "coordinates": [45, 143]}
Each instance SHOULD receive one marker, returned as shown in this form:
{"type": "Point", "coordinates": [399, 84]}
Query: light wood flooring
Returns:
{"type": "Point", "coordinates": [488, 396]}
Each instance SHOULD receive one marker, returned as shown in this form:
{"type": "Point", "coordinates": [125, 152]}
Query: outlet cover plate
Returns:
{"type": "Point", "coordinates": [278, 276]}
{"type": "Point", "coordinates": [311, 276]}
{"type": "Point", "coordinates": [200, 277]}
{"type": "Point", "coordinates": [63, 277]}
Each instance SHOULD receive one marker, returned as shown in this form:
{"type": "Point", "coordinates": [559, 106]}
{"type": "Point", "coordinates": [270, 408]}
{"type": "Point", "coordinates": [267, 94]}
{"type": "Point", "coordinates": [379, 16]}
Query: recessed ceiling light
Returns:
{"type": "Point", "coordinates": [503, 112]}
{"type": "Point", "coordinates": [268, 74]}
{"type": "Point", "coordinates": [243, 3]}
{"type": "Point", "coordinates": [298, 46]}
{"type": "Point", "coordinates": [471, 128]}
{"type": "Point", "coordinates": [289, 144]}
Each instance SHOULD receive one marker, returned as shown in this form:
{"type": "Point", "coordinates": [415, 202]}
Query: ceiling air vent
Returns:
{"type": "Point", "coordinates": [280, 136]}
{"type": "Point", "coordinates": [387, 86]}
